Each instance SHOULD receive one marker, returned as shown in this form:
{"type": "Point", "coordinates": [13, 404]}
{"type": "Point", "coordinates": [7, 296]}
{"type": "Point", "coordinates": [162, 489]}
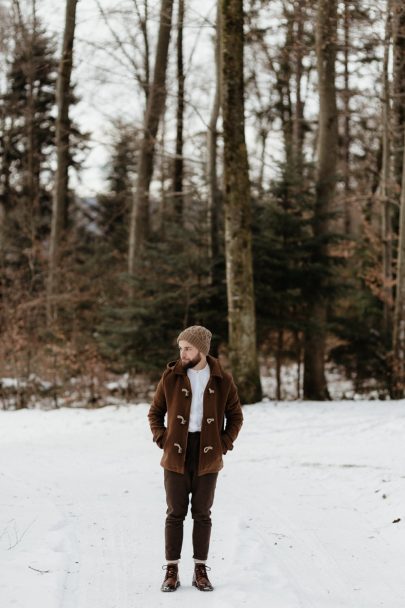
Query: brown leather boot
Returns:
{"type": "Point", "coordinates": [200, 578]}
{"type": "Point", "coordinates": [171, 581]}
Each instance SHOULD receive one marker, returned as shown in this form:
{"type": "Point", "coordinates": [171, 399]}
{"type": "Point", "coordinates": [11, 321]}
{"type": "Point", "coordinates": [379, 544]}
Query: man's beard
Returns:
{"type": "Point", "coordinates": [192, 363]}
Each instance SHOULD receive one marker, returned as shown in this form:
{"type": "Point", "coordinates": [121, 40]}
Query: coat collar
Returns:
{"type": "Point", "coordinates": [214, 364]}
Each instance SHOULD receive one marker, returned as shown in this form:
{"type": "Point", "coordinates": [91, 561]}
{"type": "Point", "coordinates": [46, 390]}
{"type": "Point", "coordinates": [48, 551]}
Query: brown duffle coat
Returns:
{"type": "Point", "coordinates": [222, 417]}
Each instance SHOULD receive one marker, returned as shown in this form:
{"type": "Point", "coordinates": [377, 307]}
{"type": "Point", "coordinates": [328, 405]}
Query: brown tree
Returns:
{"type": "Point", "coordinates": [398, 93]}
{"type": "Point", "coordinates": [214, 193]}
{"type": "Point", "coordinates": [385, 185]}
{"type": "Point", "coordinates": [4, 154]}
{"type": "Point", "coordinates": [237, 207]}
{"type": "Point", "coordinates": [398, 388]}
{"type": "Point", "coordinates": [60, 196]}
{"type": "Point", "coordinates": [315, 386]}
{"type": "Point", "coordinates": [139, 224]}
{"type": "Point", "coordinates": [399, 313]}
{"type": "Point", "coordinates": [178, 160]}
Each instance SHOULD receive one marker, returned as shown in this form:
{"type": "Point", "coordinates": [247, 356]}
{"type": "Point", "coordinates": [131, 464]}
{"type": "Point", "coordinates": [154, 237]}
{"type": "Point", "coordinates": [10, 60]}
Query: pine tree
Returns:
{"type": "Point", "coordinates": [28, 131]}
{"type": "Point", "coordinates": [282, 248]}
{"type": "Point", "coordinates": [113, 209]}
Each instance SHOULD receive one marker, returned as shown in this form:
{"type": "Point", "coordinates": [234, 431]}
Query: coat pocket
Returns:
{"type": "Point", "coordinates": [226, 443]}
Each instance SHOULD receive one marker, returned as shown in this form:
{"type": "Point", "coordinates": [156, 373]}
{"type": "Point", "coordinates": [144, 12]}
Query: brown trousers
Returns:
{"type": "Point", "coordinates": [178, 487]}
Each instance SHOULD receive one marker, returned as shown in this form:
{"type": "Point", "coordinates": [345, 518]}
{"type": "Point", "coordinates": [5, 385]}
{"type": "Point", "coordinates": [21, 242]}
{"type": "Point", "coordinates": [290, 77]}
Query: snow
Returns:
{"type": "Point", "coordinates": [303, 515]}
{"type": "Point", "coordinates": [339, 386]}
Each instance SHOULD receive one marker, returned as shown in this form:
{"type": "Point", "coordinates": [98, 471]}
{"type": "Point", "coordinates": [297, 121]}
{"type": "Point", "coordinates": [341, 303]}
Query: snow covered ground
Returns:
{"type": "Point", "coordinates": [303, 515]}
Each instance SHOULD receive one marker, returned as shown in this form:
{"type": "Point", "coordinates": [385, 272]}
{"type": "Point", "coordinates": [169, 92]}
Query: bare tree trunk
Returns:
{"type": "Point", "coordinates": [31, 177]}
{"type": "Point", "coordinates": [60, 195]}
{"type": "Point", "coordinates": [349, 213]}
{"type": "Point", "coordinates": [139, 225]}
{"type": "Point", "coordinates": [4, 184]}
{"type": "Point", "coordinates": [351, 210]}
{"type": "Point", "coordinates": [298, 350]}
{"type": "Point", "coordinates": [144, 27]}
{"type": "Point", "coordinates": [399, 313]}
{"type": "Point", "coordinates": [385, 184]}
{"type": "Point", "coordinates": [398, 105]}
{"type": "Point", "coordinates": [279, 362]}
{"type": "Point", "coordinates": [238, 236]}
{"type": "Point", "coordinates": [4, 160]}
{"type": "Point", "coordinates": [283, 86]}
{"type": "Point", "coordinates": [178, 161]}
{"type": "Point", "coordinates": [214, 193]}
{"type": "Point", "coordinates": [298, 116]}
{"type": "Point", "coordinates": [263, 136]}
{"type": "Point", "coordinates": [2, 226]}
{"type": "Point", "coordinates": [161, 174]}
{"type": "Point", "coordinates": [398, 367]}
{"type": "Point", "coordinates": [315, 386]}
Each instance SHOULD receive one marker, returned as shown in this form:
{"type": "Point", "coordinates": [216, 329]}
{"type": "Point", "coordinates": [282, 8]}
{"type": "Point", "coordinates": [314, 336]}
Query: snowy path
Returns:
{"type": "Point", "coordinates": [302, 518]}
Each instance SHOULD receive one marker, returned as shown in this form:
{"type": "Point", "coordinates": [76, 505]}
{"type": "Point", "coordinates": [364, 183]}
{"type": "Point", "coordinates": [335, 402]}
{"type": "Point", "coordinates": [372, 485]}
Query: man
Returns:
{"type": "Point", "coordinates": [204, 417]}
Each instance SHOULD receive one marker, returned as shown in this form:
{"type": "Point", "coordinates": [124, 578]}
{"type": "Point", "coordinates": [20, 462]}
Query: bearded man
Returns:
{"type": "Point", "coordinates": [195, 418]}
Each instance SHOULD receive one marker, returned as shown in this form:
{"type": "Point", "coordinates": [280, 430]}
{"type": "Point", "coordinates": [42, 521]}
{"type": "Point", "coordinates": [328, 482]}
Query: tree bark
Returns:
{"type": "Point", "coordinates": [398, 367]}
{"type": "Point", "coordinates": [348, 212]}
{"type": "Point", "coordinates": [351, 209]}
{"type": "Point", "coordinates": [238, 236]}
{"type": "Point", "coordinates": [178, 160]}
{"type": "Point", "coordinates": [298, 116]}
{"type": "Point", "coordinates": [139, 224]}
{"type": "Point", "coordinates": [385, 185]}
{"type": "Point", "coordinates": [315, 386]}
{"type": "Point", "coordinates": [4, 184]}
{"type": "Point", "coordinates": [398, 93]}
{"type": "Point", "coordinates": [279, 362]}
{"type": "Point", "coordinates": [284, 75]}
{"type": "Point", "coordinates": [60, 195]}
{"type": "Point", "coordinates": [214, 193]}
{"type": "Point", "coordinates": [399, 313]}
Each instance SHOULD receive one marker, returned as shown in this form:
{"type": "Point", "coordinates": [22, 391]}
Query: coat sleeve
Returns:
{"type": "Point", "coordinates": [233, 417]}
{"type": "Point", "coordinates": [157, 412]}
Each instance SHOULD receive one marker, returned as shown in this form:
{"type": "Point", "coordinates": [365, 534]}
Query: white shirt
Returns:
{"type": "Point", "coordinates": [198, 380]}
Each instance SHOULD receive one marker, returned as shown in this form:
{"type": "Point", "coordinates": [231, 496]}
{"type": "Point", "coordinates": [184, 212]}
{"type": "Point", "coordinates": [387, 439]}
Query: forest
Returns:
{"type": "Point", "coordinates": [253, 182]}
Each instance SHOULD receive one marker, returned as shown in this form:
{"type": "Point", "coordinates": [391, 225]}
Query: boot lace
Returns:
{"type": "Point", "coordinates": [171, 570]}
{"type": "Point", "coordinates": [201, 571]}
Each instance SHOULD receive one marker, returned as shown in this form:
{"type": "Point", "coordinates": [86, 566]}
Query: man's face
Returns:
{"type": "Point", "coordinates": [189, 354]}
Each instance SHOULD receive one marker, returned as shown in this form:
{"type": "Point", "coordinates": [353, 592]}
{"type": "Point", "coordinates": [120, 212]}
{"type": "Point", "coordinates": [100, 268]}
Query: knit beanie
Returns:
{"type": "Point", "coordinates": [198, 336]}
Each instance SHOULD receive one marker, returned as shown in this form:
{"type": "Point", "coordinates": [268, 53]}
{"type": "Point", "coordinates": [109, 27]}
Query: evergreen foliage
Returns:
{"type": "Point", "coordinates": [288, 266]}
{"type": "Point", "coordinates": [114, 206]}
{"type": "Point", "coordinates": [361, 351]}
{"type": "Point", "coordinates": [357, 321]}
{"type": "Point", "coordinates": [28, 132]}
{"type": "Point", "coordinates": [27, 150]}
{"type": "Point", "coordinates": [172, 291]}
